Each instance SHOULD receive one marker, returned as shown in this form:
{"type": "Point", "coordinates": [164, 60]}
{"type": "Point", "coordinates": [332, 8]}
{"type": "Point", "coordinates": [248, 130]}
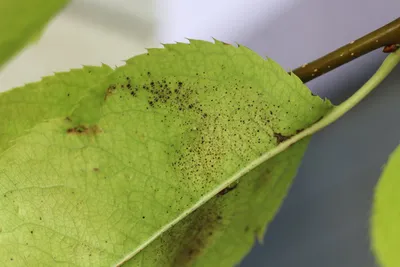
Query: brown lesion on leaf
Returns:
{"type": "Point", "coordinates": [227, 190]}
{"type": "Point", "coordinates": [199, 230]}
{"type": "Point", "coordinates": [281, 138]}
{"type": "Point", "coordinates": [84, 130]}
{"type": "Point", "coordinates": [109, 91]}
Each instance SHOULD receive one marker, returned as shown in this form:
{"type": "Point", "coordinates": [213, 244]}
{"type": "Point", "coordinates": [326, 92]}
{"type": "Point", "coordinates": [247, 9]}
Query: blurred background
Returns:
{"type": "Point", "coordinates": [324, 220]}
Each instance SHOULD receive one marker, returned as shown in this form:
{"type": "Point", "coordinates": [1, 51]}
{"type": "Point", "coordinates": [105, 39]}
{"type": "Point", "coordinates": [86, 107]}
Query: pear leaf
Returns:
{"type": "Point", "coordinates": [103, 167]}
{"type": "Point", "coordinates": [385, 219]}
{"type": "Point", "coordinates": [222, 231]}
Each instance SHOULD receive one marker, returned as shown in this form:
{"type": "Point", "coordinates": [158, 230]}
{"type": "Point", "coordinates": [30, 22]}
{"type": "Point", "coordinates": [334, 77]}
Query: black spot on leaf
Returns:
{"type": "Point", "coordinates": [227, 190]}
{"type": "Point", "coordinates": [281, 138]}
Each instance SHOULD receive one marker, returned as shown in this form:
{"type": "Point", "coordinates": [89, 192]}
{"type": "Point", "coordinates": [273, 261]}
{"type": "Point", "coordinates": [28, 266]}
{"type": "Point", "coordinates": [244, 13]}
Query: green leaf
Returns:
{"type": "Point", "coordinates": [223, 230]}
{"type": "Point", "coordinates": [385, 220]}
{"type": "Point", "coordinates": [144, 155]}
{"type": "Point", "coordinates": [21, 21]}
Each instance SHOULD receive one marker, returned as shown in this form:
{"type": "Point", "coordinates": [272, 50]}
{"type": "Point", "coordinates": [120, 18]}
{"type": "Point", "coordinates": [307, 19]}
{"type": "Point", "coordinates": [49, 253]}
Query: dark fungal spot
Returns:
{"type": "Point", "coordinates": [95, 169]}
{"type": "Point", "coordinates": [227, 190]}
{"type": "Point", "coordinates": [281, 138]}
{"type": "Point", "coordinates": [109, 91]}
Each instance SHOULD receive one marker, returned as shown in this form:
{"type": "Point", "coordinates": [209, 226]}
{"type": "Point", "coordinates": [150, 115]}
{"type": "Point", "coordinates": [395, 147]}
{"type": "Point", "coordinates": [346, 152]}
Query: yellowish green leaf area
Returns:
{"type": "Point", "coordinates": [135, 166]}
{"type": "Point", "coordinates": [222, 231]}
{"type": "Point", "coordinates": [21, 21]}
{"type": "Point", "coordinates": [385, 220]}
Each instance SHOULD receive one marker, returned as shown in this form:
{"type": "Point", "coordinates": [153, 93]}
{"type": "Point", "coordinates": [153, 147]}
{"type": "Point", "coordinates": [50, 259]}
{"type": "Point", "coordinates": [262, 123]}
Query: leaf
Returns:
{"type": "Point", "coordinates": [145, 155]}
{"type": "Point", "coordinates": [223, 230]}
{"type": "Point", "coordinates": [385, 220]}
{"type": "Point", "coordinates": [21, 21]}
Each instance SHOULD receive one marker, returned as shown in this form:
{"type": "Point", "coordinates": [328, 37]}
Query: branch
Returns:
{"type": "Point", "coordinates": [387, 36]}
